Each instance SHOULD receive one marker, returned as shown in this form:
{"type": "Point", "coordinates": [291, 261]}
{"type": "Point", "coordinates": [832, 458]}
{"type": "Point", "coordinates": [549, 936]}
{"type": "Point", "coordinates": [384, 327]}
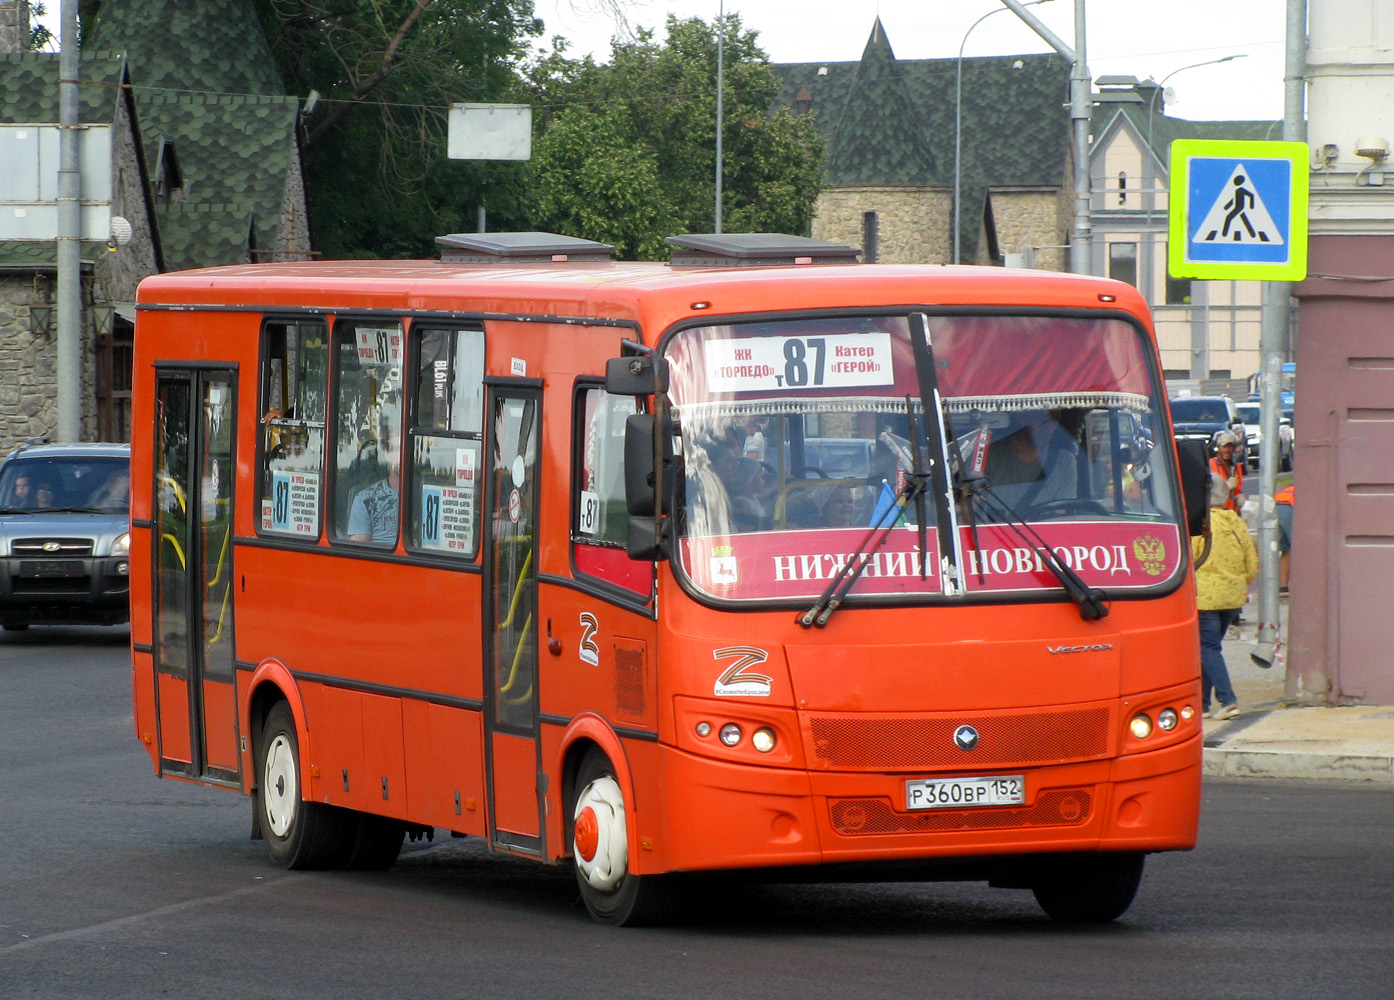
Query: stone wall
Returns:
{"type": "Point", "coordinates": [28, 361]}
{"type": "Point", "coordinates": [1033, 218]}
{"type": "Point", "coordinates": [914, 224]}
{"type": "Point", "coordinates": [14, 26]}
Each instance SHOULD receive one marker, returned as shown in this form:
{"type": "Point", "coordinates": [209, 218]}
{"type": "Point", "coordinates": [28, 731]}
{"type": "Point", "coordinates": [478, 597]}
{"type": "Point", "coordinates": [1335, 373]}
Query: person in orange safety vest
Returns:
{"type": "Point", "coordinates": [1224, 466]}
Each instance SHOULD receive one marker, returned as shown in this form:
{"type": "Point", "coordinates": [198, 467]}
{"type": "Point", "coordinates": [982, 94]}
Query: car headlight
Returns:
{"type": "Point", "coordinates": [122, 545]}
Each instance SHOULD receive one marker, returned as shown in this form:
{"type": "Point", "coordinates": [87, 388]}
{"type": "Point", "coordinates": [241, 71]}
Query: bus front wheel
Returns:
{"type": "Point", "coordinates": [297, 833]}
{"type": "Point", "coordinates": [1095, 888]}
{"type": "Point", "coordinates": [600, 847]}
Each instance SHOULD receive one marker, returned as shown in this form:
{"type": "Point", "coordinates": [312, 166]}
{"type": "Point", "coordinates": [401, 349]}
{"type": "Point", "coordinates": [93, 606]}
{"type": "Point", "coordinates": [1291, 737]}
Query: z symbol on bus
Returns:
{"type": "Point", "coordinates": [738, 680]}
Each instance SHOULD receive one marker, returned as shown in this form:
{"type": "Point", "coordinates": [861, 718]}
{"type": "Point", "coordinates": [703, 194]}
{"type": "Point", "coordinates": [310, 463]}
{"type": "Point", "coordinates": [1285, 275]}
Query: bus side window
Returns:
{"type": "Point", "coordinates": [294, 367]}
{"type": "Point", "coordinates": [600, 521]}
{"type": "Point", "coordinates": [368, 359]}
{"type": "Point", "coordinates": [446, 441]}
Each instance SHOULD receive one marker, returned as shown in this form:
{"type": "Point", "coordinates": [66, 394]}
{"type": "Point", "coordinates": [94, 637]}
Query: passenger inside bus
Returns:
{"type": "Point", "coordinates": [373, 510]}
{"type": "Point", "coordinates": [839, 507]}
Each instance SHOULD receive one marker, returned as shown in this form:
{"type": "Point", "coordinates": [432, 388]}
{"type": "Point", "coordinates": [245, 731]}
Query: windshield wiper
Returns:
{"type": "Point", "coordinates": [74, 510]}
{"type": "Point", "coordinates": [1089, 601]}
{"type": "Point", "coordinates": [837, 589]}
{"type": "Point", "coordinates": [16, 510]}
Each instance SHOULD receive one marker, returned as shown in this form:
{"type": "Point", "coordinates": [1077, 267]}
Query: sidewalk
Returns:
{"type": "Point", "coordinates": [1270, 739]}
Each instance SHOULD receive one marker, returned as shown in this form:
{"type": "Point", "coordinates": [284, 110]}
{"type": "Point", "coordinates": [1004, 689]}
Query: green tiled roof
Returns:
{"type": "Point", "coordinates": [883, 118]}
{"type": "Point", "coordinates": [879, 137]}
{"type": "Point", "coordinates": [211, 46]}
{"type": "Point", "coordinates": [234, 153]}
{"type": "Point", "coordinates": [41, 256]}
{"type": "Point", "coordinates": [205, 81]}
{"type": "Point", "coordinates": [29, 87]}
{"type": "Point", "coordinates": [203, 235]}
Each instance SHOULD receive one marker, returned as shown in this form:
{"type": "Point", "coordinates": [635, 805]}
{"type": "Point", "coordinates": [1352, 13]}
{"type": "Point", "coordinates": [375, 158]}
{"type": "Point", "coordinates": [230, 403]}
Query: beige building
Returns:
{"type": "Point", "coordinates": [1207, 331]}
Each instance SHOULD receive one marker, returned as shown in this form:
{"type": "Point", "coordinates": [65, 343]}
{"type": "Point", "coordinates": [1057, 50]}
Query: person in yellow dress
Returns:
{"type": "Point", "coordinates": [1226, 563]}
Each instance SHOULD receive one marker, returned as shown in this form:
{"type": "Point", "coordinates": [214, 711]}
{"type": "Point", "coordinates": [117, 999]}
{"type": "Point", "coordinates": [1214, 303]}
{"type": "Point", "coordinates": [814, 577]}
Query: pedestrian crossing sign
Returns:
{"type": "Point", "coordinates": [1238, 210]}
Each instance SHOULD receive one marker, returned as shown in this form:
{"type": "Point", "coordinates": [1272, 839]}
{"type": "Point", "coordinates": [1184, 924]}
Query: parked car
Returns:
{"type": "Point", "coordinates": [1205, 418]}
{"type": "Point", "coordinates": [1249, 412]}
{"type": "Point", "coordinates": [65, 535]}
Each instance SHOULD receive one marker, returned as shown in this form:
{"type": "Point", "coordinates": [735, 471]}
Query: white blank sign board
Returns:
{"type": "Point", "coordinates": [490, 132]}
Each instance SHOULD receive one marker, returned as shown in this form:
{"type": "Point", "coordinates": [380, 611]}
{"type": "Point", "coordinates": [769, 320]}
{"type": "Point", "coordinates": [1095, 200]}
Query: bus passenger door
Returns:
{"type": "Point", "coordinates": [195, 666]}
{"type": "Point", "coordinates": [510, 620]}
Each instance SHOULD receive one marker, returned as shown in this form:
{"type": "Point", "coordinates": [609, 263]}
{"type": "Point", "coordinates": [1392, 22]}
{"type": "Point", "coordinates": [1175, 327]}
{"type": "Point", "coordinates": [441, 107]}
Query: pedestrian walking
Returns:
{"type": "Point", "coordinates": [1226, 563]}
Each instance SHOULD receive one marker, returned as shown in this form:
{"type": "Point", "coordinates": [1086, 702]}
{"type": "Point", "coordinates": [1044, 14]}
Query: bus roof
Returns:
{"type": "Point", "coordinates": [623, 290]}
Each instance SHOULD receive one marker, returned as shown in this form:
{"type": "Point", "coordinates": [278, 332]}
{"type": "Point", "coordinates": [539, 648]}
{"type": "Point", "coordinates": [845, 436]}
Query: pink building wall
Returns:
{"type": "Point", "coordinates": [1341, 620]}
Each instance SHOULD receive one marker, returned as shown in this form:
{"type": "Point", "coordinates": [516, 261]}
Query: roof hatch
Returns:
{"type": "Point", "coordinates": [756, 249]}
{"type": "Point", "coordinates": [520, 248]}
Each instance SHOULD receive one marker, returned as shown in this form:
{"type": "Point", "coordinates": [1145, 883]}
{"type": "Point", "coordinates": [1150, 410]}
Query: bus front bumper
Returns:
{"type": "Point", "coordinates": [712, 814]}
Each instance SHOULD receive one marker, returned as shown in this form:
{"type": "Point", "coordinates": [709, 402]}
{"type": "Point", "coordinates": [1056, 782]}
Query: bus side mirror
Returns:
{"type": "Point", "coordinates": [640, 481]}
{"type": "Point", "coordinates": [647, 530]}
{"type": "Point", "coordinates": [636, 375]}
{"type": "Point", "coordinates": [1195, 483]}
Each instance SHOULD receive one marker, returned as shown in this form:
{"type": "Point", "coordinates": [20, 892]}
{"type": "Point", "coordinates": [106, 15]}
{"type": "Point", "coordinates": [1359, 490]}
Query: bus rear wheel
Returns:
{"type": "Point", "coordinates": [1093, 889]}
{"type": "Point", "coordinates": [600, 846]}
{"type": "Point", "coordinates": [297, 833]}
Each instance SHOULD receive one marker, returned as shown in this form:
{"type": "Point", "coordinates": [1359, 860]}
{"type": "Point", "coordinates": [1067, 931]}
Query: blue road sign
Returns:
{"type": "Point", "coordinates": [1238, 210]}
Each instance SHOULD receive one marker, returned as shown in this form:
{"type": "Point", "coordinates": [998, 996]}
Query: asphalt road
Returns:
{"type": "Point", "coordinates": [115, 884]}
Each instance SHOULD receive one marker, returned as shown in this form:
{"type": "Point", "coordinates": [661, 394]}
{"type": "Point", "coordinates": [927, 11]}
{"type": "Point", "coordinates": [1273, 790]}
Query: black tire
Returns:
{"type": "Point", "coordinates": [1093, 889]}
{"type": "Point", "coordinates": [627, 900]}
{"type": "Point", "coordinates": [297, 834]}
{"type": "Point", "coordinates": [374, 842]}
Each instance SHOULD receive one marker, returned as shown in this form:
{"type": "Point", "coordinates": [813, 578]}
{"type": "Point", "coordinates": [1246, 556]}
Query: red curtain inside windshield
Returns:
{"type": "Point", "coordinates": [997, 355]}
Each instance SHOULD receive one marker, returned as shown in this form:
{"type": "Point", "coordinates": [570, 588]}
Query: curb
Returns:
{"type": "Point", "coordinates": [1232, 751]}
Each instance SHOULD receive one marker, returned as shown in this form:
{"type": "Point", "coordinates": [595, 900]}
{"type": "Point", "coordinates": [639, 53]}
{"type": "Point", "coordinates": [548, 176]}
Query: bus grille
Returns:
{"type": "Point", "coordinates": [872, 817]}
{"type": "Point", "coordinates": [899, 743]}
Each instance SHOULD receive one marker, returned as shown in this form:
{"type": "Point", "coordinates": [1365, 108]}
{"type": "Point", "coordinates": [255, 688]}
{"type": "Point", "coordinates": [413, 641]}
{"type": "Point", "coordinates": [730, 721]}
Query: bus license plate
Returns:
{"type": "Point", "coordinates": [959, 793]}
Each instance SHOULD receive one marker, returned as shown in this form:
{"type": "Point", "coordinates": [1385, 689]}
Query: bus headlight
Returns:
{"type": "Point", "coordinates": [730, 734]}
{"type": "Point", "coordinates": [1141, 726]}
{"type": "Point", "coordinates": [762, 739]}
{"type": "Point", "coordinates": [1167, 719]}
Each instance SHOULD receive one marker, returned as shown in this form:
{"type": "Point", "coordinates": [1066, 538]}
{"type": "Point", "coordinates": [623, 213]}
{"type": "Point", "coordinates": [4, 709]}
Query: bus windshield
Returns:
{"type": "Point", "coordinates": [798, 435]}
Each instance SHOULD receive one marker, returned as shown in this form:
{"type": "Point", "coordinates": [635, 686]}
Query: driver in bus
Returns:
{"type": "Point", "coordinates": [1031, 462]}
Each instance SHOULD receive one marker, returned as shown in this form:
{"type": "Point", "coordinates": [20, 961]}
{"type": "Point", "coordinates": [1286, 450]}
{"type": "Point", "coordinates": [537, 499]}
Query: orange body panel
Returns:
{"type": "Point", "coordinates": [383, 661]}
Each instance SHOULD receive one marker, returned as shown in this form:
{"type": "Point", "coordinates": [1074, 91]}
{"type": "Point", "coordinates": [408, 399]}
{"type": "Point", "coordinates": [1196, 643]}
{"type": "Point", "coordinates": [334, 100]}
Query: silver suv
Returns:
{"type": "Point", "coordinates": [65, 535]}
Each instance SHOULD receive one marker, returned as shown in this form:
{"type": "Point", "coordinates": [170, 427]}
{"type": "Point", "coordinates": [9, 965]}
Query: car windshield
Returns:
{"type": "Point", "coordinates": [64, 483]}
{"type": "Point", "coordinates": [798, 435]}
{"type": "Point", "coordinates": [1199, 411]}
{"type": "Point", "coordinates": [1248, 412]}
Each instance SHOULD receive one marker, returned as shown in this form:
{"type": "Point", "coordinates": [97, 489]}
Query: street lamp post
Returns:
{"type": "Point", "coordinates": [958, 120]}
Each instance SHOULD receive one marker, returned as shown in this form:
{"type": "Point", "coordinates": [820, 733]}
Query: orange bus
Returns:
{"type": "Point", "coordinates": [760, 561]}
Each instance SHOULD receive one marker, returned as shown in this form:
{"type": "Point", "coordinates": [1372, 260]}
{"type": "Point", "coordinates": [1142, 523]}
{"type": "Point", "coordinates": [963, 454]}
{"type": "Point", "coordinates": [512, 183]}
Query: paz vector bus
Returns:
{"type": "Point", "coordinates": [533, 546]}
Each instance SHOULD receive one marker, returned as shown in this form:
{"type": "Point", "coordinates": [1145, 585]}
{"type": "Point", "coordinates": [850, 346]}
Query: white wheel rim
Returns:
{"type": "Point", "coordinates": [607, 868]}
{"type": "Point", "coordinates": [280, 785]}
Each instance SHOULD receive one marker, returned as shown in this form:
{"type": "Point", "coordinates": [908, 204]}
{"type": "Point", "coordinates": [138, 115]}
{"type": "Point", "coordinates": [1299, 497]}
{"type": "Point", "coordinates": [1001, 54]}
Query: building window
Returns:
{"type": "Point", "coordinates": [114, 354]}
{"type": "Point", "coordinates": [1122, 262]}
{"type": "Point", "coordinates": [1178, 291]}
{"type": "Point", "coordinates": [1122, 187]}
{"type": "Point", "coordinates": [871, 229]}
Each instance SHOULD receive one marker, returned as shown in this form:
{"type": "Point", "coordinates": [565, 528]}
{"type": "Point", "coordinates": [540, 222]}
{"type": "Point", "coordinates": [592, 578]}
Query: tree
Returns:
{"type": "Point", "coordinates": [386, 72]}
{"type": "Point", "coordinates": [626, 152]}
